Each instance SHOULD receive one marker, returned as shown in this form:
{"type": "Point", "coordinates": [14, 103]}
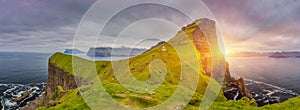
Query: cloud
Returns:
{"type": "Point", "coordinates": [50, 25]}
{"type": "Point", "coordinates": [132, 15]}
{"type": "Point", "coordinates": [257, 25]}
{"type": "Point", "coordinates": [39, 25]}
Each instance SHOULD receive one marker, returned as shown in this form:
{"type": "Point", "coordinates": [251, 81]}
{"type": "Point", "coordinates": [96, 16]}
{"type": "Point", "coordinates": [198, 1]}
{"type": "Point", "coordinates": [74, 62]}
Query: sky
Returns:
{"type": "Point", "coordinates": [246, 25]}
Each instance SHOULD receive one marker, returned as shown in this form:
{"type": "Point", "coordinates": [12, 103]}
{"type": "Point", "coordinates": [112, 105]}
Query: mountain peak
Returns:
{"type": "Point", "coordinates": [203, 22]}
{"type": "Point", "coordinates": [202, 33]}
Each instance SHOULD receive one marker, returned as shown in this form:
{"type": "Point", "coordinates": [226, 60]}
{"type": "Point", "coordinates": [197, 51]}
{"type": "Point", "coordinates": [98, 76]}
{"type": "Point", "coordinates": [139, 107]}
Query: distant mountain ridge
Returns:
{"type": "Point", "coordinates": [265, 54]}
{"type": "Point", "coordinates": [285, 55]}
{"type": "Point", "coordinates": [108, 51]}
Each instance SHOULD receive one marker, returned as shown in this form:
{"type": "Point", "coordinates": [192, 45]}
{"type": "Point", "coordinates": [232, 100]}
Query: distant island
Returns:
{"type": "Point", "coordinates": [265, 54]}
{"type": "Point", "coordinates": [285, 55]}
{"type": "Point", "coordinates": [73, 51]}
{"type": "Point", "coordinates": [250, 54]}
{"type": "Point", "coordinates": [108, 51]}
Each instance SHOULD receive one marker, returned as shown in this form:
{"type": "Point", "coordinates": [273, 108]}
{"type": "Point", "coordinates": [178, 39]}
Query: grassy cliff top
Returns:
{"type": "Point", "coordinates": [180, 55]}
{"type": "Point", "coordinates": [124, 96]}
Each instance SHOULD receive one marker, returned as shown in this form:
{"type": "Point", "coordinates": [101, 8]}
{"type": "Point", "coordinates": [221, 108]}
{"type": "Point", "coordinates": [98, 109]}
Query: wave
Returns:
{"type": "Point", "coordinates": [11, 91]}
{"type": "Point", "coordinates": [278, 89]}
{"type": "Point", "coordinates": [265, 93]}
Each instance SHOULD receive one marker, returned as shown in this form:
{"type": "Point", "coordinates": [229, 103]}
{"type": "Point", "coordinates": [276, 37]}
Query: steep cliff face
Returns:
{"type": "Point", "coordinates": [58, 77]}
{"type": "Point", "coordinates": [204, 37]}
{"type": "Point", "coordinates": [203, 34]}
{"type": "Point", "coordinates": [204, 49]}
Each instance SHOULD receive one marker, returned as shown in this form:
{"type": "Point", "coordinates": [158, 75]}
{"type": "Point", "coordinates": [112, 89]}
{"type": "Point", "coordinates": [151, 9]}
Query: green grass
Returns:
{"type": "Point", "coordinates": [180, 56]}
{"type": "Point", "coordinates": [246, 104]}
{"type": "Point", "coordinates": [139, 68]}
{"type": "Point", "coordinates": [72, 100]}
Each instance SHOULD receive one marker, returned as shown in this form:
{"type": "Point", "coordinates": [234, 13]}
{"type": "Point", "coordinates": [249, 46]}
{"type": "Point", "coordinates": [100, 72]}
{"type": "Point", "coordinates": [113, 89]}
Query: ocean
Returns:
{"type": "Point", "coordinates": [270, 80]}
{"type": "Point", "coordinates": [20, 72]}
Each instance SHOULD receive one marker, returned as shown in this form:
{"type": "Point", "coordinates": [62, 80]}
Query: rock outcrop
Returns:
{"type": "Point", "coordinates": [58, 77]}
{"type": "Point", "coordinates": [23, 96]}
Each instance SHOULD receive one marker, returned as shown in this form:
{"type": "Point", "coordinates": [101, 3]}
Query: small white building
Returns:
{"type": "Point", "coordinates": [163, 49]}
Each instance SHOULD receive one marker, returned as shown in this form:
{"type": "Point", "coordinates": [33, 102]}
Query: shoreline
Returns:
{"type": "Point", "coordinates": [36, 102]}
{"type": "Point", "coordinates": [13, 91]}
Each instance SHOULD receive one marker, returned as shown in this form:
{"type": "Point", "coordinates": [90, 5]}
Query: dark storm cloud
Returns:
{"type": "Point", "coordinates": [258, 24]}
{"type": "Point", "coordinates": [34, 23]}
{"type": "Point", "coordinates": [245, 24]}
{"type": "Point", "coordinates": [51, 23]}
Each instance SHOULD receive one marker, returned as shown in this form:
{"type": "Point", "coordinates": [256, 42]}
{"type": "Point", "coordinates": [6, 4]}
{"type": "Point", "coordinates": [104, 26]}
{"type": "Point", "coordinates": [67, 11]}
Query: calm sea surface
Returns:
{"type": "Point", "coordinates": [282, 72]}
{"type": "Point", "coordinates": [270, 80]}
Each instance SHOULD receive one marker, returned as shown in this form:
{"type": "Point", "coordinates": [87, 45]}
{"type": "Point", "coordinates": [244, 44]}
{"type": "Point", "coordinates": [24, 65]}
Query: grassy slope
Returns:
{"type": "Point", "coordinates": [74, 101]}
{"type": "Point", "coordinates": [138, 67]}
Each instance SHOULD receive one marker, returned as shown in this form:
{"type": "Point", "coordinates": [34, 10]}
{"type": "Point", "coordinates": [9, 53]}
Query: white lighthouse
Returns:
{"type": "Point", "coordinates": [163, 49]}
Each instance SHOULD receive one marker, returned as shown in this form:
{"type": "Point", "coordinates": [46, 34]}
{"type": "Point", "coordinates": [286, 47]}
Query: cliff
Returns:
{"type": "Point", "coordinates": [58, 77]}
{"type": "Point", "coordinates": [203, 34]}
{"type": "Point", "coordinates": [62, 91]}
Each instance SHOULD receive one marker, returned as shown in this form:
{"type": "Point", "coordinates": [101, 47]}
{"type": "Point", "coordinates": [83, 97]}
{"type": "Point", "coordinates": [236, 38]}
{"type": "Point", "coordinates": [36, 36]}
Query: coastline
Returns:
{"type": "Point", "coordinates": [15, 90]}
{"type": "Point", "coordinates": [261, 97]}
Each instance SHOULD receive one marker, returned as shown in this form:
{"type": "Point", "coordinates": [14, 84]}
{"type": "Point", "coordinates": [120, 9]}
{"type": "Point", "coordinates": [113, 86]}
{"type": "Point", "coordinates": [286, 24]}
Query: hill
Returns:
{"type": "Point", "coordinates": [187, 69]}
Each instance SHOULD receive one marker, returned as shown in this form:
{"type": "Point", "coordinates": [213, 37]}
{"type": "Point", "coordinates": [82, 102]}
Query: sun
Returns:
{"type": "Point", "coordinates": [229, 51]}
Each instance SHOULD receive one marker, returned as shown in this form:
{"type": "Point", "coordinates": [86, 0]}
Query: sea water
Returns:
{"type": "Point", "coordinates": [270, 80]}
{"type": "Point", "coordinates": [20, 72]}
